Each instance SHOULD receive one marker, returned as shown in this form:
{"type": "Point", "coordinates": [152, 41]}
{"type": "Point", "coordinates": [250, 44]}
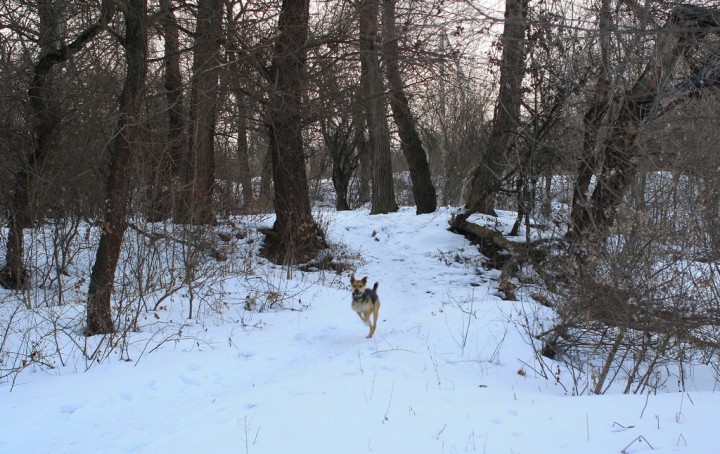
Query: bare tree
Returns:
{"type": "Point", "coordinates": [487, 176]}
{"type": "Point", "coordinates": [422, 185]}
{"type": "Point", "coordinates": [295, 236]}
{"type": "Point", "coordinates": [123, 151]}
{"type": "Point", "coordinates": [383, 190]}
{"type": "Point", "coordinates": [244, 114]}
{"type": "Point", "coordinates": [53, 51]}
{"type": "Point", "coordinates": [198, 174]}
{"type": "Point", "coordinates": [593, 119]}
{"type": "Point", "coordinates": [240, 81]}
{"type": "Point", "coordinates": [165, 175]}
{"type": "Point", "coordinates": [652, 95]}
{"type": "Point", "coordinates": [342, 137]}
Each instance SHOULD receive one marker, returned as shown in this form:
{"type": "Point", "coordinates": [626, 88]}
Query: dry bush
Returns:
{"type": "Point", "coordinates": [638, 308]}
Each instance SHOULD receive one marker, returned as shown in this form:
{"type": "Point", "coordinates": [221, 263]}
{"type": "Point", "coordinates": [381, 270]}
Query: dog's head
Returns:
{"type": "Point", "coordinates": [358, 285]}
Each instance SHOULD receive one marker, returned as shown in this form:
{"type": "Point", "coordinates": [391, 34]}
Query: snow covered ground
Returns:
{"type": "Point", "coordinates": [449, 370]}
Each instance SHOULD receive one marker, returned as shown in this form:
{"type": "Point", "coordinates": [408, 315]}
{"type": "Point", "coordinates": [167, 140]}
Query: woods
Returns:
{"type": "Point", "coordinates": [595, 122]}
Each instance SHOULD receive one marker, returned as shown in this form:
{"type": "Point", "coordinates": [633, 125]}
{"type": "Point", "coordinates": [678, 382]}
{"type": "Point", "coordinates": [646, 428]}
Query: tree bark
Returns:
{"type": "Point", "coordinates": [243, 105]}
{"type": "Point", "coordinates": [365, 173]}
{"type": "Point", "coordinates": [493, 245]}
{"type": "Point", "coordinates": [593, 119]}
{"type": "Point", "coordinates": [265, 196]}
{"type": "Point", "coordinates": [684, 29]}
{"type": "Point", "coordinates": [199, 163]}
{"type": "Point", "coordinates": [341, 140]}
{"type": "Point", "coordinates": [123, 151]}
{"type": "Point", "coordinates": [165, 176]}
{"type": "Point", "coordinates": [295, 236]}
{"type": "Point", "coordinates": [243, 148]}
{"type": "Point", "coordinates": [422, 186]}
{"type": "Point", "coordinates": [45, 122]}
{"type": "Point", "coordinates": [383, 189]}
{"type": "Point", "coordinates": [487, 177]}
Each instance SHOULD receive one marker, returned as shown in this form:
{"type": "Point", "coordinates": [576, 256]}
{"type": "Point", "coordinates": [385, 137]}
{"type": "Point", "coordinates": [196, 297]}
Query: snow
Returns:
{"type": "Point", "coordinates": [449, 370]}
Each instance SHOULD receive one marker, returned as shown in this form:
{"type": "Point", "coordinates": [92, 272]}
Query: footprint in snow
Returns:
{"type": "Point", "coordinates": [301, 337]}
{"type": "Point", "coordinates": [189, 381]}
{"type": "Point", "coordinates": [69, 409]}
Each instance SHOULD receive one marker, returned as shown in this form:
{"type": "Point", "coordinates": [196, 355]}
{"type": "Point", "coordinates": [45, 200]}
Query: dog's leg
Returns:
{"type": "Point", "coordinates": [366, 317]}
{"type": "Point", "coordinates": [361, 317]}
{"type": "Point", "coordinates": [375, 312]}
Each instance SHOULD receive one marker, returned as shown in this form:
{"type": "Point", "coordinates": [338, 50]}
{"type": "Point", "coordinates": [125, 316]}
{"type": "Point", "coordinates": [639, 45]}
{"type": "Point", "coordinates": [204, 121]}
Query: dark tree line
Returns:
{"type": "Point", "coordinates": [160, 105]}
{"type": "Point", "coordinates": [219, 63]}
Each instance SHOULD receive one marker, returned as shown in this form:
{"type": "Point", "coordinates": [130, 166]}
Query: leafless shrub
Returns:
{"type": "Point", "coordinates": [171, 281]}
{"type": "Point", "coordinates": [638, 309]}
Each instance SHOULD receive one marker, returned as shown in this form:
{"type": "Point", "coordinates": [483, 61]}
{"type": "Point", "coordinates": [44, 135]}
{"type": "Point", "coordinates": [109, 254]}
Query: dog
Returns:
{"type": "Point", "coordinates": [365, 302]}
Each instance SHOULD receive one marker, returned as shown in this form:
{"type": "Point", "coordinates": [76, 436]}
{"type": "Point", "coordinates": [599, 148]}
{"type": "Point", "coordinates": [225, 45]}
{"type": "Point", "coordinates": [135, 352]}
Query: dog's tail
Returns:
{"type": "Point", "coordinates": [375, 287]}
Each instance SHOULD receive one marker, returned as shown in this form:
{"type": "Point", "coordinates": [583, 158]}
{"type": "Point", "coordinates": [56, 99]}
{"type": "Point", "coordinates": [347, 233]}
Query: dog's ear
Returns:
{"type": "Point", "coordinates": [352, 278]}
{"type": "Point", "coordinates": [365, 280]}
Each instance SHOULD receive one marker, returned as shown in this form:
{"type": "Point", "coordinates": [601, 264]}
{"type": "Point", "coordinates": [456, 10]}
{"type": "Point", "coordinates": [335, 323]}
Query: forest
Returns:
{"type": "Point", "coordinates": [168, 121]}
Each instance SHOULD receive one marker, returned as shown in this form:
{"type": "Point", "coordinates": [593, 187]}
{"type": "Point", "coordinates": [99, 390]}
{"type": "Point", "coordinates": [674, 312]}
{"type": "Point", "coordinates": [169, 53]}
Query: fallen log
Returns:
{"type": "Point", "coordinates": [479, 234]}
{"type": "Point", "coordinates": [502, 253]}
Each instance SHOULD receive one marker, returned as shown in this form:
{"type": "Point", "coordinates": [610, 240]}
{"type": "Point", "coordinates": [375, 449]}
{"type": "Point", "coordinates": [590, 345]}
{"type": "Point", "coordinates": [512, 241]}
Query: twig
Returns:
{"type": "Point", "coordinates": [624, 427]}
{"type": "Point", "coordinates": [587, 426]}
{"type": "Point", "coordinates": [647, 398]}
{"type": "Point", "coordinates": [202, 245]}
{"type": "Point", "coordinates": [437, 437]}
{"type": "Point", "coordinates": [639, 438]}
{"type": "Point", "coordinates": [681, 437]}
{"type": "Point", "coordinates": [387, 410]}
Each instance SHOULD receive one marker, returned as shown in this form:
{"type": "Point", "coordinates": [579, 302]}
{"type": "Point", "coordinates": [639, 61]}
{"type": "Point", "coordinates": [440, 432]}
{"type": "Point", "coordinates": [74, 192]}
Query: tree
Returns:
{"type": "Point", "coordinates": [167, 171]}
{"type": "Point", "coordinates": [123, 152]}
{"type": "Point", "coordinates": [339, 115]}
{"type": "Point", "coordinates": [198, 174]}
{"type": "Point", "coordinates": [240, 81]}
{"type": "Point", "coordinates": [371, 81]}
{"type": "Point", "coordinates": [295, 236]}
{"type": "Point", "coordinates": [487, 176]}
{"type": "Point", "coordinates": [652, 95]}
{"type": "Point", "coordinates": [342, 137]}
{"type": "Point", "coordinates": [45, 127]}
{"type": "Point", "coordinates": [243, 114]}
{"type": "Point", "coordinates": [422, 185]}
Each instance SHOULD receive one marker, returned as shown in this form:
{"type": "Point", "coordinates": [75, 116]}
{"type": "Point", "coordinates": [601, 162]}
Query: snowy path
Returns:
{"type": "Point", "coordinates": [433, 380]}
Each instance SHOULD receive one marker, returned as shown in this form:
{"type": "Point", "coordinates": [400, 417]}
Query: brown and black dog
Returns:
{"type": "Point", "coordinates": [365, 302]}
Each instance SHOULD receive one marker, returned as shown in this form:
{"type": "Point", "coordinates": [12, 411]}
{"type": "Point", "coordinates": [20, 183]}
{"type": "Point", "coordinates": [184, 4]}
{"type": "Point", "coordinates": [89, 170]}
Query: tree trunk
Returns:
{"type": "Point", "coordinates": [383, 189]}
{"type": "Point", "coordinates": [683, 31]}
{"type": "Point", "coordinates": [341, 185]}
{"type": "Point", "coordinates": [341, 140]}
{"type": "Point", "coordinates": [452, 176]}
{"type": "Point", "coordinates": [365, 173]}
{"type": "Point", "coordinates": [243, 148]}
{"type": "Point", "coordinates": [266, 177]}
{"type": "Point", "coordinates": [243, 105]}
{"type": "Point", "coordinates": [163, 185]}
{"type": "Point", "coordinates": [422, 186]}
{"type": "Point", "coordinates": [123, 150]}
{"type": "Point", "coordinates": [295, 236]}
{"type": "Point", "coordinates": [45, 121]}
{"type": "Point", "coordinates": [199, 163]}
{"type": "Point", "coordinates": [487, 177]}
{"type": "Point", "coordinates": [593, 121]}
